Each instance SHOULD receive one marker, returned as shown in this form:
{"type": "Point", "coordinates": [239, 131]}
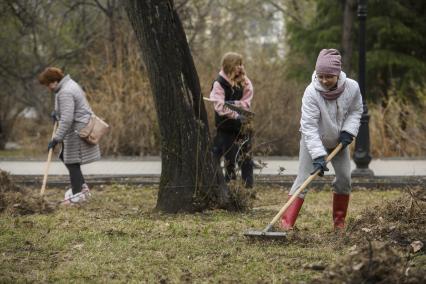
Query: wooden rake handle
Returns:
{"type": "Point", "coordinates": [49, 157]}
{"type": "Point", "coordinates": [301, 188]}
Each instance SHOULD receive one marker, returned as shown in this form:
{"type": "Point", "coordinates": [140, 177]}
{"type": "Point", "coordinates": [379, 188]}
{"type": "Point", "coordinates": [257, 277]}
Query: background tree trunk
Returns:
{"type": "Point", "coordinates": [2, 137]}
{"type": "Point", "coordinates": [190, 179]}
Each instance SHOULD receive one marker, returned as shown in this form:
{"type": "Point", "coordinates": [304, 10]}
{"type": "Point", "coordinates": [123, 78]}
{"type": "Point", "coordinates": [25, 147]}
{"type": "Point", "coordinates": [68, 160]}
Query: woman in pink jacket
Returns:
{"type": "Point", "coordinates": [231, 141]}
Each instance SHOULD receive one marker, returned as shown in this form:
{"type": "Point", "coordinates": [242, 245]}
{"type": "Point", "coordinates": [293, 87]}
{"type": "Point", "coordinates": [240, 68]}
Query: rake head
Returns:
{"type": "Point", "coordinates": [265, 235]}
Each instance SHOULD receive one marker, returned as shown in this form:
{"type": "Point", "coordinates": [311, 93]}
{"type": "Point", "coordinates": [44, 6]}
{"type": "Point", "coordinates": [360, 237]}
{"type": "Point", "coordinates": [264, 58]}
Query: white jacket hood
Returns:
{"type": "Point", "coordinates": [317, 85]}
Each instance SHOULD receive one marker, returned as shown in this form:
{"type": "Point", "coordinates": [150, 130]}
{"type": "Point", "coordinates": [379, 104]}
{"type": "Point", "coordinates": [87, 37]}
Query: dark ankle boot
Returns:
{"type": "Point", "coordinates": [290, 215]}
{"type": "Point", "coordinates": [340, 207]}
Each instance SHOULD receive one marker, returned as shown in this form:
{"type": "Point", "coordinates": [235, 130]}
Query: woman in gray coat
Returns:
{"type": "Point", "coordinates": [72, 111]}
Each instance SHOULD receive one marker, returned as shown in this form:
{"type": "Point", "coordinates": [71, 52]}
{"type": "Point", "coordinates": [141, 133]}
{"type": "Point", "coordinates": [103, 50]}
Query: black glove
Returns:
{"type": "Point", "coordinates": [54, 116]}
{"type": "Point", "coordinates": [242, 118]}
{"type": "Point", "coordinates": [320, 164]}
{"type": "Point", "coordinates": [52, 144]}
{"type": "Point", "coordinates": [345, 138]}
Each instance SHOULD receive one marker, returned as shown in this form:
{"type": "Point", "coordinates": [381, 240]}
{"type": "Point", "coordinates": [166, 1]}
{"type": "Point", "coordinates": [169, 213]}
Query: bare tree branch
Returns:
{"type": "Point", "coordinates": [284, 10]}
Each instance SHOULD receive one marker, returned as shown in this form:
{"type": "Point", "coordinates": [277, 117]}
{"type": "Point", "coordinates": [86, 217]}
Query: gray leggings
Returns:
{"type": "Point", "coordinates": [341, 164]}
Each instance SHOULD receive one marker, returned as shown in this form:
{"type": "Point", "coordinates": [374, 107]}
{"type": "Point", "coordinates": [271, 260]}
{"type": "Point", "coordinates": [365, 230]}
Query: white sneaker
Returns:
{"type": "Point", "coordinates": [76, 198]}
{"type": "Point", "coordinates": [68, 194]}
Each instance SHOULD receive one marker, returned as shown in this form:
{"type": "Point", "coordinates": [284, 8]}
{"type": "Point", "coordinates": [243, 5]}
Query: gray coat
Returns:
{"type": "Point", "coordinates": [323, 120]}
{"type": "Point", "coordinates": [74, 112]}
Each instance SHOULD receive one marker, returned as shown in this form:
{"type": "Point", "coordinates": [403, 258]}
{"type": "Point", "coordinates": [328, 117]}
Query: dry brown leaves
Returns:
{"type": "Point", "coordinates": [18, 201]}
{"type": "Point", "coordinates": [242, 197]}
{"type": "Point", "coordinates": [386, 239]}
{"type": "Point", "coordinates": [373, 262]}
{"type": "Point", "coordinates": [400, 222]}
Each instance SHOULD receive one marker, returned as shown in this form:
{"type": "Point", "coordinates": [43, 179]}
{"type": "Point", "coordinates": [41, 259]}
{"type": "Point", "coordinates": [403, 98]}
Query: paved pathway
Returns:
{"type": "Point", "coordinates": [152, 166]}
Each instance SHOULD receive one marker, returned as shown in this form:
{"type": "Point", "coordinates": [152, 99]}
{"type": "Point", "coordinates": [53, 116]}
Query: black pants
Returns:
{"type": "Point", "coordinates": [235, 147]}
{"type": "Point", "coordinates": [76, 177]}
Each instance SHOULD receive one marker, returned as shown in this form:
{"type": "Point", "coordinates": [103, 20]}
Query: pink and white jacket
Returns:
{"type": "Point", "coordinates": [218, 96]}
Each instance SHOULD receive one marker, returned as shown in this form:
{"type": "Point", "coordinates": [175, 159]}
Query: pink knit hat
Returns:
{"type": "Point", "coordinates": [329, 62]}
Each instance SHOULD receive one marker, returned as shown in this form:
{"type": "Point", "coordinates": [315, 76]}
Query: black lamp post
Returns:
{"type": "Point", "coordinates": [362, 144]}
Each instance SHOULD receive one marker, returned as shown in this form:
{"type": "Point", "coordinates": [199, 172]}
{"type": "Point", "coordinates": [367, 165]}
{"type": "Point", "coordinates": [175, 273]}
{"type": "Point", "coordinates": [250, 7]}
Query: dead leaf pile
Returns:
{"type": "Point", "coordinates": [373, 262]}
{"type": "Point", "coordinates": [17, 201]}
{"type": "Point", "coordinates": [6, 183]}
{"type": "Point", "coordinates": [242, 197]}
{"type": "Point", "coordinates": [387, 242]}
{"type": "Point", "coordinates": [401, 222]}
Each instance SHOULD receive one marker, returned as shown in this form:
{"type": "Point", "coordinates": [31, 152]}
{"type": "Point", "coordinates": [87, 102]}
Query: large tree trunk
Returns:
{"type": "Point", "coordinates": [347, 44]}
{"type": "Point", "coordinates": [2, 137]}
{"type": "Point", "coordinates": [190, 179]}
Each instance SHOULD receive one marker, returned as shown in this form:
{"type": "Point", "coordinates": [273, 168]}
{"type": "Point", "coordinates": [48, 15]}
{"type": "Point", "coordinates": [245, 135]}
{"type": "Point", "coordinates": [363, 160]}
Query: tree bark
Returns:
{"type": "Point", "coordinates": [2, 137]}
{"type": "Point", "coordinates": [190, 178]}
{"type": "Point", "coordinates": [347, 44]}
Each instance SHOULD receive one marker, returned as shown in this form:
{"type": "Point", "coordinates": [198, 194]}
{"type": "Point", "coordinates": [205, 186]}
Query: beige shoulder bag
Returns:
{"type": "Point", "coordinates": [95, 129]}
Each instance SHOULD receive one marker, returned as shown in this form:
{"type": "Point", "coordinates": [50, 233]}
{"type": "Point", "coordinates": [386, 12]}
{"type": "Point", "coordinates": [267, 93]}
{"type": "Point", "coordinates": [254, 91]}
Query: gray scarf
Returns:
{"type": "Point", "coordinates": [333, 93]}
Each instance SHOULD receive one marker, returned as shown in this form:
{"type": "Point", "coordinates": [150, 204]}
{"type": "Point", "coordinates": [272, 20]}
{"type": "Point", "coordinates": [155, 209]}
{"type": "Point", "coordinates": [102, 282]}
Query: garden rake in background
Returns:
{"type": "Point", "coordinates": [240, 110]}
{"type": "Point", "coordinates": [49, 157]}
{"type": "Point", "coordinates": [266, 233]}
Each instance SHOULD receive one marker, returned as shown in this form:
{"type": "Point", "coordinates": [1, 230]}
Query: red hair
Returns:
{"type": "Point", "coordinates": [50, 75]}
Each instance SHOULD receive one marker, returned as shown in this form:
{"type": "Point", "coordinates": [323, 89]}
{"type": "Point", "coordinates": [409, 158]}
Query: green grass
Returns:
{"type": "Point", "coordinates": [117, 237]}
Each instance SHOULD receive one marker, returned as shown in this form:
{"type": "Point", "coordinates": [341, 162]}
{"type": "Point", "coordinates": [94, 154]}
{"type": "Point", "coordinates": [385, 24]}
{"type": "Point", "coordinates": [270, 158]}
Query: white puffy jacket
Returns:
{"type": "Point", "coordinates": [323, 120]}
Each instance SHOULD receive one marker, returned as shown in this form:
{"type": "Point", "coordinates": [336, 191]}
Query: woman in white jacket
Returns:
{"type": "Point", "coordinates": [331, 113]}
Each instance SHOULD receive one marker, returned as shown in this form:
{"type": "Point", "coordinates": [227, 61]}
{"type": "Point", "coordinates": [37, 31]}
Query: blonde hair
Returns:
{"type": "Point", "coordinates": [229, 61]}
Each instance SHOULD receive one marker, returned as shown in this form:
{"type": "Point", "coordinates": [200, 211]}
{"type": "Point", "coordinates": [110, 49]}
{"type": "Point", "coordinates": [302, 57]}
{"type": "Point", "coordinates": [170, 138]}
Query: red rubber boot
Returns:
{"type": "Point", "coordinates": [290, 215]}
{"type": "Point", "coordinates": [340, 207]}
